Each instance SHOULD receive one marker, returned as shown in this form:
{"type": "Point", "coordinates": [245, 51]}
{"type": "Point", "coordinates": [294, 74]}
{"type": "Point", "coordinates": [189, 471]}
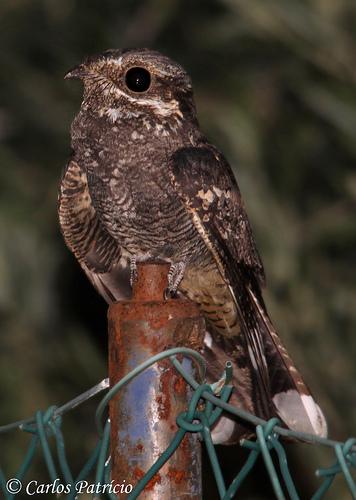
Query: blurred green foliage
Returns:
{"type": "Point", "coordinates": [275, 87]}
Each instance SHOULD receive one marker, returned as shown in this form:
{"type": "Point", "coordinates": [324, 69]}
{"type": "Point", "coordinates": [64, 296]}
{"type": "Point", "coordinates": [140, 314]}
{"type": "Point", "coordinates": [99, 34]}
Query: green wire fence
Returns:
{"type": "Point", "coordinates": [45, 428]}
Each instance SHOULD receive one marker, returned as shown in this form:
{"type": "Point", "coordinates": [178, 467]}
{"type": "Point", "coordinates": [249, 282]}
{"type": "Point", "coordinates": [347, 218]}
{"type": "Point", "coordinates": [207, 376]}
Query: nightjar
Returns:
{"type": "Point", "coordinates": [143, 182]}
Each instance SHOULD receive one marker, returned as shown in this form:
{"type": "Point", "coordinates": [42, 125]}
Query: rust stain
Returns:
{"type": "Point", "coordinates": [164, 399]}
{"type": "Point", "coordinates": [155, 480]}
{"type": "Point", "coordinates": [158, 321]}
{"type": "Point", "coordinates": [139, 447]}
{"type": "Point", "coordinates": [118, 357]}
{"type": "Point", "coordinates": [185, 445]}
{"type": "Point", "coordinates": [179, 386]}
{"type": "Point", "coordinates": [176, 475]}
{"type": "Point", "coordinates": [154, 343]}
{"type": "Point", "coordinates": [139, 473]}
{"type": "Point", "coordinates": [157, 312]}
{"type": "Point", "coordinates": [161, 408]}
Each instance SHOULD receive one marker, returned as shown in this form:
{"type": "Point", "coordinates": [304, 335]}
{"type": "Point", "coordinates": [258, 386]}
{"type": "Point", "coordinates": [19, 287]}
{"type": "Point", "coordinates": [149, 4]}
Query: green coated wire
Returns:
{"type": "Point", "coordinates": [210, 448]}
{"type": "Point", "coordinates": [178, 438]}
{"type": "Point", "coordinates": [241, 476]}
{"type": "Point", "coordinates": [140, 368]}
{"type": "Point", "coordinates": [323, 488]}
{"type": "Point", "coordinates": [48, 424]}
{"type": "Point", "coordinates": [3, 484]}
{"type": "Point", "coordinates": [26, 464]}
{"type": "Point", "coordinates": [86, 470]}
{"type": "Point", "coordinates": [205, 433]}
{"type": "Point", "coordinates": [345, 470]}
{"type": "Point", "coordinates": [191, 413]}
{"type": "Point", "coordinates": [103, 454]}
{"type": "Point", "coordinates": [186, 425]}
{"type": "Point", "coordinates": [308, 438]}
{"type": "Point", "coordinates": [40, 421]}
{"type": "Point", "coordinates": [300, 436]}
{"type": "Point", "coordinates": [90, 463]}
{"type": "Point", "coordinates": [107, 477]}
{"type": "Point", "coordinates": [262, 433]}
{"type": "Point", "coordinates": [61, 451]}
{"type": "Point", "coordinates": [283, 464]}
{"type": "Point", "coordinates": [330, 472]}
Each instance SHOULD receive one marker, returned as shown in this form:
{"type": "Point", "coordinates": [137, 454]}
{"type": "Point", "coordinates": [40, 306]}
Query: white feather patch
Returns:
{"type": "Point", "coordinates": [158, 106]}
{"type": "Point", "coordinates": [223, 430]}
{"type": "Point", "coordinates": [208, 340]}
{"type": "Point", "coordinates": [300, 413]}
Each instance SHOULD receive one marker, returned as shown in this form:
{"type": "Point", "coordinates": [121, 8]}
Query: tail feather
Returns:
{"type": "Point", "coordinates": [272, 386]}
{"type": "Point", "coordinates": [290, 395]}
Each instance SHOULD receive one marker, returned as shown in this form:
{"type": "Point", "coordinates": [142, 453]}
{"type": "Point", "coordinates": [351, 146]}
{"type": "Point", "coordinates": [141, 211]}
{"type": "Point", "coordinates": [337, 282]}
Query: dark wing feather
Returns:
{"type": "Point", "coordinates": [207, 187]}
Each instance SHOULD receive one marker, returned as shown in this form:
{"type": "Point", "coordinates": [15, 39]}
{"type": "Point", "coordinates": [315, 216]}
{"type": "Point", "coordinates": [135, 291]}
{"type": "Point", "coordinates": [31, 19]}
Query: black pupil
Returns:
{"type": "Point", "coordinates": [138, 79]}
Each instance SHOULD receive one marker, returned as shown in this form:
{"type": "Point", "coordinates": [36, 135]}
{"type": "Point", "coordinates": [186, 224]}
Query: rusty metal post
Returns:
{"type": "Point", "coordinates": [143, 414]}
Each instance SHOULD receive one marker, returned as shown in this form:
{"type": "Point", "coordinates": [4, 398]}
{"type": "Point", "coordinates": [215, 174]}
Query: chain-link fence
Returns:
{"type": "Point", "coordinates": [204, 409]}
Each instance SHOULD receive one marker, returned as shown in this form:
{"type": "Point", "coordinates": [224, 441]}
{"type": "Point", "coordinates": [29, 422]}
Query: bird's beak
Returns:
{"type": "Point", "coordinates": [78, 72]}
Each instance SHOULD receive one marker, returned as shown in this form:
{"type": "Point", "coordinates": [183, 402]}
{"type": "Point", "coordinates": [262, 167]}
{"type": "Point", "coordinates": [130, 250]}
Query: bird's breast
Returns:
{"type": "Point", "coordinates": [148, 220]}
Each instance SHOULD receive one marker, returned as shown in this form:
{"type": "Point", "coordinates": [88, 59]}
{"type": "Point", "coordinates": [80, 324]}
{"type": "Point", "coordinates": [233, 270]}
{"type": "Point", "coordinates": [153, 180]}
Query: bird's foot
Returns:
{"type": "Point", "coordinates": [133, 270]}
{"type": "Point", "coordinates": [175, 276]}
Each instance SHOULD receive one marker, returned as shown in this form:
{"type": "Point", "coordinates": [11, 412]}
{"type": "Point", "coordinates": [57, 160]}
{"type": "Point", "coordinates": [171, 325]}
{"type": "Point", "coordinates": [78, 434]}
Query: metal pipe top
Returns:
{"type": "Point", "coordinates": [151, 281]}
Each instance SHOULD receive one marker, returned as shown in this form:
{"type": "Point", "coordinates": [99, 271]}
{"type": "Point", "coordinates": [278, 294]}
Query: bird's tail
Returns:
{"type": "Point", "coordinates": [266, 381]}
{"type": "Point", "coordinates": [290, 395]}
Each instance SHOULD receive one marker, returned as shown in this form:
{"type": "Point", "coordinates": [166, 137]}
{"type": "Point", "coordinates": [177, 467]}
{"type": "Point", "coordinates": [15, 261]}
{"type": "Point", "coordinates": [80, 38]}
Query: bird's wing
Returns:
{"type": "Point", "coordinates": [97, 252]}
{"type": "Point", "coordinates": [206, 185]}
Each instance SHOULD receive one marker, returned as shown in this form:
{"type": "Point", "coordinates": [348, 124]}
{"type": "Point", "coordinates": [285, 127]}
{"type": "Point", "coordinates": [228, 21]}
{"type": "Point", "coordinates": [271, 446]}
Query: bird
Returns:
{"type": "Point", "coordinates": [142, 183]}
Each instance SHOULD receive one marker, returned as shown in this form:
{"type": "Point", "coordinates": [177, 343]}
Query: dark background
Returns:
{"type": "Point", "coordinates": [275, 88]}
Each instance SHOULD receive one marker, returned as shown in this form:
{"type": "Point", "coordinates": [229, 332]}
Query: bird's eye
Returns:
{"type": "Point", "coordinates": [138, 79]}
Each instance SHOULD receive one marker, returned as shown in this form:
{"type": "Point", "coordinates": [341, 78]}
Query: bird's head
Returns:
{"type": "Point", "coordinates": [135, 82]}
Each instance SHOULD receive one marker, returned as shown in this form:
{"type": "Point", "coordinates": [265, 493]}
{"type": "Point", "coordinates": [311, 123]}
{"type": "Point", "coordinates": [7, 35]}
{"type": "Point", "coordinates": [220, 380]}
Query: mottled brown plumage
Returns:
{"type": "Point", "coordinates": [143, 182]}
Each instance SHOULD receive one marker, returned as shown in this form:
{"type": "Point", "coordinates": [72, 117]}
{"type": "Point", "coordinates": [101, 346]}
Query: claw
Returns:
{"type": "Point", "coordinates": [133, 270]}
{"type": "Point", "coordinates": [175, 276]}
{"type": "Point", "coordinates": [167, 294]}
